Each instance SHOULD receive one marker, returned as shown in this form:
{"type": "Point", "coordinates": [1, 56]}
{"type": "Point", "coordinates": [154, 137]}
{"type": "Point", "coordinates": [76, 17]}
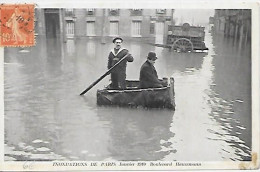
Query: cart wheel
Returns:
{"type": "Point", "coordinates": [182, 45]}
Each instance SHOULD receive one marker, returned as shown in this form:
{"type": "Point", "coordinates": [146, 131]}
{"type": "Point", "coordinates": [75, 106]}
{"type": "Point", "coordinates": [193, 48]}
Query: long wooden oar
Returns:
{"type": "Point", "coordinates": [103, 76]}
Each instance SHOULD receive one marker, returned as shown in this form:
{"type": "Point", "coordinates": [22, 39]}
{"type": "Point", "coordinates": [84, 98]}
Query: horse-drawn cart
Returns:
{"type": "Point", "coordinates": [186, 38]}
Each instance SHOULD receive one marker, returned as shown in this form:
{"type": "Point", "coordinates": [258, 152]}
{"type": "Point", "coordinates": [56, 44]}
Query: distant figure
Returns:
{"type": "Point", "coordinates": [148, 74]}
{"type": "Point", "coordinates": [118, 74]}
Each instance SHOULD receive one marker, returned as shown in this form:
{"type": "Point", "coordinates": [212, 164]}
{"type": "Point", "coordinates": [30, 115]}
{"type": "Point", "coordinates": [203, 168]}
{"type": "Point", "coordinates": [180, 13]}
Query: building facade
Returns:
{"type": "Point", "coordinates": [233, 23]}
{"type": "Point", "coordinates": [105, 23]}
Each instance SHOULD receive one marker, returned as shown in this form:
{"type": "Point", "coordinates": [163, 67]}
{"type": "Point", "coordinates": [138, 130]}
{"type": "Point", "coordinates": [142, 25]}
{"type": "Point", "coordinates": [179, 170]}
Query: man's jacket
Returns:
{"type": "Point", "coordinates": [148, 76]}
{"type": "Point", "coordinates": [113, 58]}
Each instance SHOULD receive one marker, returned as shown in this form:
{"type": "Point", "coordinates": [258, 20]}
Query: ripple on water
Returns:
{"type": "Point", "coordinates": [241, 127]}
{"type": "Point", "coordinates": [29, 148]}
{"type": "Point", "coordinates": [74, 157]}
{"type": "Point", "coordinates": [43, 149]}
{"type": "Point", "coordinates": [27, 152]}
{"type": "Point", "coordinates": [21, 145]}
{"type": "Point", "coordinates": [229, 112]}
{"type": "Point", "coordinates": [37, 141]}
{"type": "Point", "coordinates": [239, 101]}
{"type": "Point", "coordinates": [84, 151]}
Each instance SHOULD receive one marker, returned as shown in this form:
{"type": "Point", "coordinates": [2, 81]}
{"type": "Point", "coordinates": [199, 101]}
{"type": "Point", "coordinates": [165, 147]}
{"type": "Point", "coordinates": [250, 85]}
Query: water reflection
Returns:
{"type": "Point", "coordinates": [235, 91]}
{"type": "Point", "coordinates": [70, 47]}
{"type": "Point", "coordinates": [91, 48]}
{"type": "Point", "coordinates": [223, 113]}
{"type": "Point", "coordinates": [138, 134]}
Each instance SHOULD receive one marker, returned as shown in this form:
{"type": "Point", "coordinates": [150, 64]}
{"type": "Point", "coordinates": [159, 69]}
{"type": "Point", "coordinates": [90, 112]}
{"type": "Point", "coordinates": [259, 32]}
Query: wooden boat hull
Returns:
{"type": "Point", "coordinates": [135, 97]}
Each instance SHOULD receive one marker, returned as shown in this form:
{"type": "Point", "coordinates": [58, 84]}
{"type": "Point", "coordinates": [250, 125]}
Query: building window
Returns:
{"type": "Point", "coordinates": [152, 26]}
{"type": "Point", "coordinates": [69, 12]}
{"type": "Point", "coordinates": [90, 28]}
{"type": "Point", "coordinates": [114, 28]}
{"type": "Point", "coordinates": [114, 12]}
{"type": "Point", "coordinates": [160, 11]}
{"type": "Point", "coordinates": [90, 11]}
{"type": "Point", "coordinates": [70, 28]}
{"type": "Point", "coordinates": [136, 28]}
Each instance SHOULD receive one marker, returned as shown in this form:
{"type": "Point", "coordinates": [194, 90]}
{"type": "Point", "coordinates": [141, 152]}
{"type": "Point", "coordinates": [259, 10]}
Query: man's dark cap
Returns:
{"type": "Point", "coordinates": [114, 40]}
{"type": "Point", "coordinates": [152, 56]}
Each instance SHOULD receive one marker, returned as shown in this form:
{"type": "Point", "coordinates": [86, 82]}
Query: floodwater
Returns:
{"type": "Point", "coordinates": [46, 119]}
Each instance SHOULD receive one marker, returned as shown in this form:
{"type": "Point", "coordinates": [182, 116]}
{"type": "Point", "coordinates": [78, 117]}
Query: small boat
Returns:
{"type": "Point", "coordinates": [133, 96]}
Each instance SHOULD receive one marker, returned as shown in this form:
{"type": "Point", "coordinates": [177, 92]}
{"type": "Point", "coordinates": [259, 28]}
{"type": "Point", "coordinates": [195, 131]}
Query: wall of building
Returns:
{"type": "Point", "coordinates": [80, 22]}
{"type": "Point", "coordinates": [102, 19]}
{"type": "Point", "coordinates": [234, 23]}
{"type": "Point", "coordinates": [39, 22]}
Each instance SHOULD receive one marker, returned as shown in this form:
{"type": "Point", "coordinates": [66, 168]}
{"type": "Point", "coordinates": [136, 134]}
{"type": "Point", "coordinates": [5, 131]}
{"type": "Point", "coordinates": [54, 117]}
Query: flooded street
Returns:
{"type": "Point", "coordinates": [46, 119]}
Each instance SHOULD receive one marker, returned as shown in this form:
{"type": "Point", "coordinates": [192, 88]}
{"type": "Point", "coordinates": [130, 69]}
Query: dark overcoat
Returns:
{"type": "Point", "coordinates": [148, 76]}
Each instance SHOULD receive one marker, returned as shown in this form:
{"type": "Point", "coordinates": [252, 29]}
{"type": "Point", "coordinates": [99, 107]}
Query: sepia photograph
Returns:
{"type": "Point", "coordinates": [128, 88]}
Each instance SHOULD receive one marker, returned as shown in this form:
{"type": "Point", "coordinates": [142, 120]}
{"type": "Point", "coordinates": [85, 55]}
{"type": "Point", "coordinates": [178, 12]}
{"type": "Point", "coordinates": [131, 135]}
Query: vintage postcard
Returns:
{"type": "Point", "coordinates": [147, 85]}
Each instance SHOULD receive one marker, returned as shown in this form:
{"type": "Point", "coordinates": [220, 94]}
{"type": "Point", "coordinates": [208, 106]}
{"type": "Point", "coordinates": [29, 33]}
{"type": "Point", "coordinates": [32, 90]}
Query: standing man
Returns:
{"type": "Point", "coordinates": [148, 74]}
{"type": "Point", "coordinates": [118, 74]}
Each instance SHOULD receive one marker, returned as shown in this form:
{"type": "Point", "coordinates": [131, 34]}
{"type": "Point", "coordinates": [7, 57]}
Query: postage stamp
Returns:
{"type": "Point", "coordinates": [17, 25]}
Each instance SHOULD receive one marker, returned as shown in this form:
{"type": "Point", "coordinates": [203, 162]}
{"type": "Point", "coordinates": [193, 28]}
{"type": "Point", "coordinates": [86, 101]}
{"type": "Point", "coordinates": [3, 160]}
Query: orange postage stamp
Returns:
{"type": "Point", "coordinates": [17, 25]}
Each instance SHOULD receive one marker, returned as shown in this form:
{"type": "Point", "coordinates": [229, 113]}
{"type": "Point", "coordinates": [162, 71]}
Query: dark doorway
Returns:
{"type": "Point", "coordinates": [52, 23]}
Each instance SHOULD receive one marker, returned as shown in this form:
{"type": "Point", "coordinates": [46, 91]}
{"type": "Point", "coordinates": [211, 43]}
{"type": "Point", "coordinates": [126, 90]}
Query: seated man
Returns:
{"type": "Point", "coordinates": [148, 75]}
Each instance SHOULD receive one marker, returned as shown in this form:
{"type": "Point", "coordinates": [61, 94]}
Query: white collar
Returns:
{"type": "Point", "coordinates": [115, 54]}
